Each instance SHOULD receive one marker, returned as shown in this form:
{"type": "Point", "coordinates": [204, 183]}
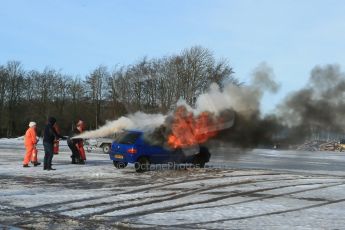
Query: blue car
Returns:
{"type": "Point", "coordinates": [132, 147]}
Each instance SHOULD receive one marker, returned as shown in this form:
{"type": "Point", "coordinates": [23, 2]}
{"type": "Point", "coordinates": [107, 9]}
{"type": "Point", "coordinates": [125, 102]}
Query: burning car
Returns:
{"type": "Point", "coordinates": [132, 147]}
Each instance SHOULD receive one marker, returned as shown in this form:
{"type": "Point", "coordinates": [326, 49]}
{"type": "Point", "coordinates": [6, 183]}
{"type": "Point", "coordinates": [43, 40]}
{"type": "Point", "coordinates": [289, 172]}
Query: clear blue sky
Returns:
{"type": "Point", "coordinates": [291, 36]}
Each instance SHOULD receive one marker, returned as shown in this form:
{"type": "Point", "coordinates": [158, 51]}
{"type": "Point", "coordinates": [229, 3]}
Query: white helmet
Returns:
{"type": "Point", "coordinates": [32, 124]}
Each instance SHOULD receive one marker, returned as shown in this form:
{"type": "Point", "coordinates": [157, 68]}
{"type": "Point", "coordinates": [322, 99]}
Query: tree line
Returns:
{"type": "Point", "coordinates": [149, 85]}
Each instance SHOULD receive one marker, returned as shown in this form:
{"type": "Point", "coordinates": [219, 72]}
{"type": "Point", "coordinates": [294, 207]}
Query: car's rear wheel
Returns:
{"type": "Point", "coordinates": [120, 164]}
{"type": "Point", "coordinates": [202, 157]}
{"type": "Point", "coordinates": [199, 162]}
{"type": "Point", "coordinates": [142, 165]}
{"type": "Point", "coordinates": [106, 148]}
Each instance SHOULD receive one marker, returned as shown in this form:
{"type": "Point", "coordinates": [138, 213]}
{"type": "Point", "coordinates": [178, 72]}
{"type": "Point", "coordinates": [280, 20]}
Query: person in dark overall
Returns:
{"type": "Point", "coordinates": [49, 136]}
{"type": "Point", "coordinates": [76, 144]}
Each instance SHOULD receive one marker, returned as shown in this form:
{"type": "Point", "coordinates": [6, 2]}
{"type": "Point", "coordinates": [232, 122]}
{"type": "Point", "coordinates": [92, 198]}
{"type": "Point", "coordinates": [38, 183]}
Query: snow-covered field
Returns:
{"type": "Point", "coordinates": [98, 196]}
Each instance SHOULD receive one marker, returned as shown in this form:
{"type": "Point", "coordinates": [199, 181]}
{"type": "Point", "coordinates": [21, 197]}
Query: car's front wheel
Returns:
{"type": "Point", "coordinates": [120, 164]}
{"type": "Point", "coordinates": [142, 165]}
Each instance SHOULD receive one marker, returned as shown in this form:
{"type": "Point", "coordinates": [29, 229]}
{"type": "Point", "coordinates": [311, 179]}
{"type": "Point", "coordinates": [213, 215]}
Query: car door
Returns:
{"type": "Point", "coordinates": [156, 153]}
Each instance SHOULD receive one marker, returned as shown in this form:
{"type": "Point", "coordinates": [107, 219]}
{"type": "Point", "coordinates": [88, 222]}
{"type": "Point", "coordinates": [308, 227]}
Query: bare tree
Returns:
{"type": "Point", "coordinates": [29, 83]}
{"type": "Point", "coordinates": [14, 87]}
{"type": "Point", "coordinates": [3, 86]}
{"type": "Point", "coordinates": [117, 92]}
{"type": "Point", "coordinates": [60, 93]}
{"type": "Point", "coordinates": [193, 72]}
{"type": "Point", "coordinates": [45, 89]}
{"type": "Point", "coordinates": [221, 73]}
{"type": "Point", "coordinates": [98, 89]}
{"type": "Point", "coordinates": [76, 93]}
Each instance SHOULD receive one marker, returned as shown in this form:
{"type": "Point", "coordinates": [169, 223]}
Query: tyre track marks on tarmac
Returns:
{"type": "Point", "coordinates": [143, 213]}
{"type": "Point", "coordinates": [114, 202]}
{"type": "Point", "coordinates": [192, 225]}
{"type": "Point", "coordinates": [146, 188]}
{"type": "Point", "coordinates": [171, 196]}
{"type": "Point", "coordinates": [265, 214]}
{"type": "Point", "coordinates": [333, 184]}
{"type": "Point", "coordinates": [181, 195]}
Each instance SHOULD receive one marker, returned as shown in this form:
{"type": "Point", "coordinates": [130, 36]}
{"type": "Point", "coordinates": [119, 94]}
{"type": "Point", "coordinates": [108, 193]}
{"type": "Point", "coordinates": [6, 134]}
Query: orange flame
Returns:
{"type": "Point", "coordinates": [188, 129]}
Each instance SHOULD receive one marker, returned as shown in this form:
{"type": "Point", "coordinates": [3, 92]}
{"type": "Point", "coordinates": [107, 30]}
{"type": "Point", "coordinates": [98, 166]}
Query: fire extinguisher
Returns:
{"type": "Point", "coordinates": [56, 142]}
{"type": "Point", "coordinates": [34, 155]}
{"type": "Point", "coordinates": [81, 150]}
{"type": "Point", "coordinates": [56, 147]}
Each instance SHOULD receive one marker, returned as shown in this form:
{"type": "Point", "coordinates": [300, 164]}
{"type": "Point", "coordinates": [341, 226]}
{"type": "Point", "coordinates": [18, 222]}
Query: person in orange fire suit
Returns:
{"type": "Point", "coordinates": [30, 142]}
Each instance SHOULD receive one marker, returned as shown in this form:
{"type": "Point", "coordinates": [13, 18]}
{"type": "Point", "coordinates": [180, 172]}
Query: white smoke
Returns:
{"type": "Point", "coordinates": [243, 99]}
{"type": "Point", "coordinates": [232, 97]}
{"type": "Point", "coordinates": [139, 120]}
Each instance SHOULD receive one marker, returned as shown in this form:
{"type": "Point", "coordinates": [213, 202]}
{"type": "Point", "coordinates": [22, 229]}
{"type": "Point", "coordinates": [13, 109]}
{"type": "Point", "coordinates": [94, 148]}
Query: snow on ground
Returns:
{"type": "Point", "coordinates": [97, 195]}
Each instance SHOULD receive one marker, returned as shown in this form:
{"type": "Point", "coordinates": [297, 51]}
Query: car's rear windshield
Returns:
{"type": "Point", "coordinates": [128, 137]}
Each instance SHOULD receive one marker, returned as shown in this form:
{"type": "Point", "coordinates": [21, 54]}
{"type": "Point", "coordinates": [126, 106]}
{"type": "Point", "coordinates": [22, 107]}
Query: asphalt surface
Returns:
{"type": "Point", "coordinates": [252, 189]}
{"type": "Point", "coordinates": [290, 160]}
